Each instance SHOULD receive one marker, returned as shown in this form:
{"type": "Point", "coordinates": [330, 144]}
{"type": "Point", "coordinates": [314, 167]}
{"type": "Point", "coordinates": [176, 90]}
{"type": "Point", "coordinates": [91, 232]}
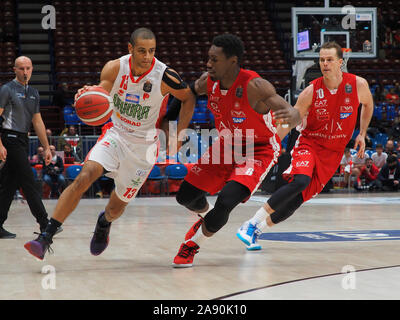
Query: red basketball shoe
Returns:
{"type": "Point", "coordinates": [185, 256]}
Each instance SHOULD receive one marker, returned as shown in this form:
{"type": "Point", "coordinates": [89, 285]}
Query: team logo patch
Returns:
{"type": "Point", "coordinates": [348, 88]}
{"type": "Point", "coordinates": [147, 86]}
{"type": "Point", "coordinates": [132, 98]}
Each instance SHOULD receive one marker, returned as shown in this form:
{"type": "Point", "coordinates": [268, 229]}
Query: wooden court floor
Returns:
{"type": "Point", "coordinates": [337, 246]}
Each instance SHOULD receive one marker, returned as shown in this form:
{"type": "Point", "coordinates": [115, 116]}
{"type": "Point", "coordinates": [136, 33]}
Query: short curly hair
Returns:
{"type": "Point", "coordinates": [231, 45]}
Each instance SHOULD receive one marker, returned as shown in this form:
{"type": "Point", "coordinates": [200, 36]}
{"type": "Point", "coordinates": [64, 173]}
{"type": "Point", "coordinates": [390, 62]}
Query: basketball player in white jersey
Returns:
{"type": "Point", "coordinates": [138, 84]}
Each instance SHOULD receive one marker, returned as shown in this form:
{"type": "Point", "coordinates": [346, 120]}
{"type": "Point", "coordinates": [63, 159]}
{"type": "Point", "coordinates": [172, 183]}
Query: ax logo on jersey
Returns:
{"type": "Point", "coordinates": [133, 110]}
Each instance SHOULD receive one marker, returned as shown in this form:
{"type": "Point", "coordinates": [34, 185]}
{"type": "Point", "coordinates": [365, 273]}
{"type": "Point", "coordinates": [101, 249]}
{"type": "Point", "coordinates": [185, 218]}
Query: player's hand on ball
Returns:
{"type": "Point", "coordinates": [83, 90]}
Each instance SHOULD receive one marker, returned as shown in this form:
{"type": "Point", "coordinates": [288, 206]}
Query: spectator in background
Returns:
{"type": "Point", "coordinates": [50, 137]}
{"type": "Point", "coordinates": [38, 158]}
{"type": "Point", "coordinates": [347, 164]}
{"type": "Point", "coordinates": [53, 173]}
{"type": "Point", "coordinates": [389, 148]}
{"type": "Point", "coordinates": [379, 157]}
{"type": "Point", "coordinates": [368, 174]}
{"type": "Point", "coordinates": [389, 176]}
{"type": "Point", "coordinates": [70, 156]}
{"type": "Point", "coordinates": [71, 137]}
{"type": "Point", "coordinates": [392, 96]}
{"type": "Point", "coordinates": [358, 163]}
{"type": "Point", "coordinates": [378, 94]}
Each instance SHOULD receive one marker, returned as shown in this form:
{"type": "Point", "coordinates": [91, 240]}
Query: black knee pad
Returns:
{"type": "Point", "coordinates": [289, 191]}
{"type": "Point", "coordinates": [230, 196]}
{"type": "Point", "coordinates": [191, 197]}
{"type": "Point", "coordinates": [287, 209]}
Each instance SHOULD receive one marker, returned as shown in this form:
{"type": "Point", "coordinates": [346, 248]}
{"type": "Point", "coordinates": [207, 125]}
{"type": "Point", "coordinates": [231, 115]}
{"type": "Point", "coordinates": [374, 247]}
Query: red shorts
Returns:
{"type": "Point", "coordinates": [215, 169]}
{"type": "Point", "coordinates": [316, 162]}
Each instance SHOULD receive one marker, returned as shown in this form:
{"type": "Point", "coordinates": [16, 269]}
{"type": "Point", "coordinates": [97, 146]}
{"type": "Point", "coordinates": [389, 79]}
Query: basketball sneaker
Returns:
{"type": "Point", "coordinates": [59, 229]}
{"type": "Point", "coordinates": [185, 256]}
{"type": "Point", "coordinates": [192, 231]}
{"type": "Point", "coordinates": [248, 233]}
{"type": "Point", "coordinates": [4, 234]}
{"type": "Point", "coordinates": [39, 246]}
{"type": "Point", "coordinates": [100, 239]}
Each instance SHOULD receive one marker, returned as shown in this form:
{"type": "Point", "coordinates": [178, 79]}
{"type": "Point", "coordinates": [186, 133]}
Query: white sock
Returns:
{"type": "Point", "coordinates": [198, 237]}
{"type": "Point", "coordinates": [210, 207]}
{"type": "Point", "coordinates": [260, 218]}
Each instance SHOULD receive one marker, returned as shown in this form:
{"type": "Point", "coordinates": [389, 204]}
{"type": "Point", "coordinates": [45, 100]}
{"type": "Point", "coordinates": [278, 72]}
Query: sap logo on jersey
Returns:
{"type": "Point", "coordinates": [238, 116]}
{"type": "Point", "coordinates": [238, 120]}
{"type": "Point", "coordinates": [345, 115]}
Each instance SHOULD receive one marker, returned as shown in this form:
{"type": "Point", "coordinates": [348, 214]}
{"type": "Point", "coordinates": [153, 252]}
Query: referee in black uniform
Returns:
{"type": "Point", "coordinates": [19, 107]}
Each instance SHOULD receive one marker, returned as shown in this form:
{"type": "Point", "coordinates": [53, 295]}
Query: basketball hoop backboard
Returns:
{"type": "Point", "coordinates": [351, 27]}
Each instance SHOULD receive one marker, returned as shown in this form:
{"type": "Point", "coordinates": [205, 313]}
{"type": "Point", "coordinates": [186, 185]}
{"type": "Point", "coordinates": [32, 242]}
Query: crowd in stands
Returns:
{"type": "Point", "coordinates": [66, 150]}
{"type": "Point", "coordinates": [379, 170]}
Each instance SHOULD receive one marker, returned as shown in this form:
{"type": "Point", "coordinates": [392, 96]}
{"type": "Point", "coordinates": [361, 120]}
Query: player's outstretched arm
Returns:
{"type": "Point", "coordinates": [367, 110]}
{"type": "Point", "coordinates": [303, 103]}
{"type": "Point", "coordinates": [263, 98]}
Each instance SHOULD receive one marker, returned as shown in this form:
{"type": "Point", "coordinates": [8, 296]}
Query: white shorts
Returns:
{"type": "Point", "coordinates": [129, 161]}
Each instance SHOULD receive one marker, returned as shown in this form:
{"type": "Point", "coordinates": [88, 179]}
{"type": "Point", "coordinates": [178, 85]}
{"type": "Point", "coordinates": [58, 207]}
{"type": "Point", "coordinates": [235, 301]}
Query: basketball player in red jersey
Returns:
{"type": "Point", "coordinates": [328, 107]}
{"type": "Point", "coordinates": [241, 102]}
{"type": "Point", "coordinates": [138, 84]}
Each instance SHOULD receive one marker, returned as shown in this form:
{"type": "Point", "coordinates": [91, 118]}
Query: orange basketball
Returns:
{"type": "Point", "coordinates": [94, 107]}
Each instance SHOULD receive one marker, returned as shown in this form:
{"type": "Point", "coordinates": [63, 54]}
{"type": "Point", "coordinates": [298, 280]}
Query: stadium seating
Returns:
{"type": "Point", "coordinates": [154, 183]}
{"type": "Point", "coordinates": [175, 174]}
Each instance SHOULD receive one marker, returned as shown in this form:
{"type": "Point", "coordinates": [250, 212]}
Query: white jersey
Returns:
{"type": "Point", "coordinates": [137, 100]}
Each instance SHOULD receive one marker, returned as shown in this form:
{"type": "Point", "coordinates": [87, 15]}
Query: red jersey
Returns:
{"type": "Point", "coordinates": [232, 111]}
{"type": "Point", "coordinates": [332, 116]}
